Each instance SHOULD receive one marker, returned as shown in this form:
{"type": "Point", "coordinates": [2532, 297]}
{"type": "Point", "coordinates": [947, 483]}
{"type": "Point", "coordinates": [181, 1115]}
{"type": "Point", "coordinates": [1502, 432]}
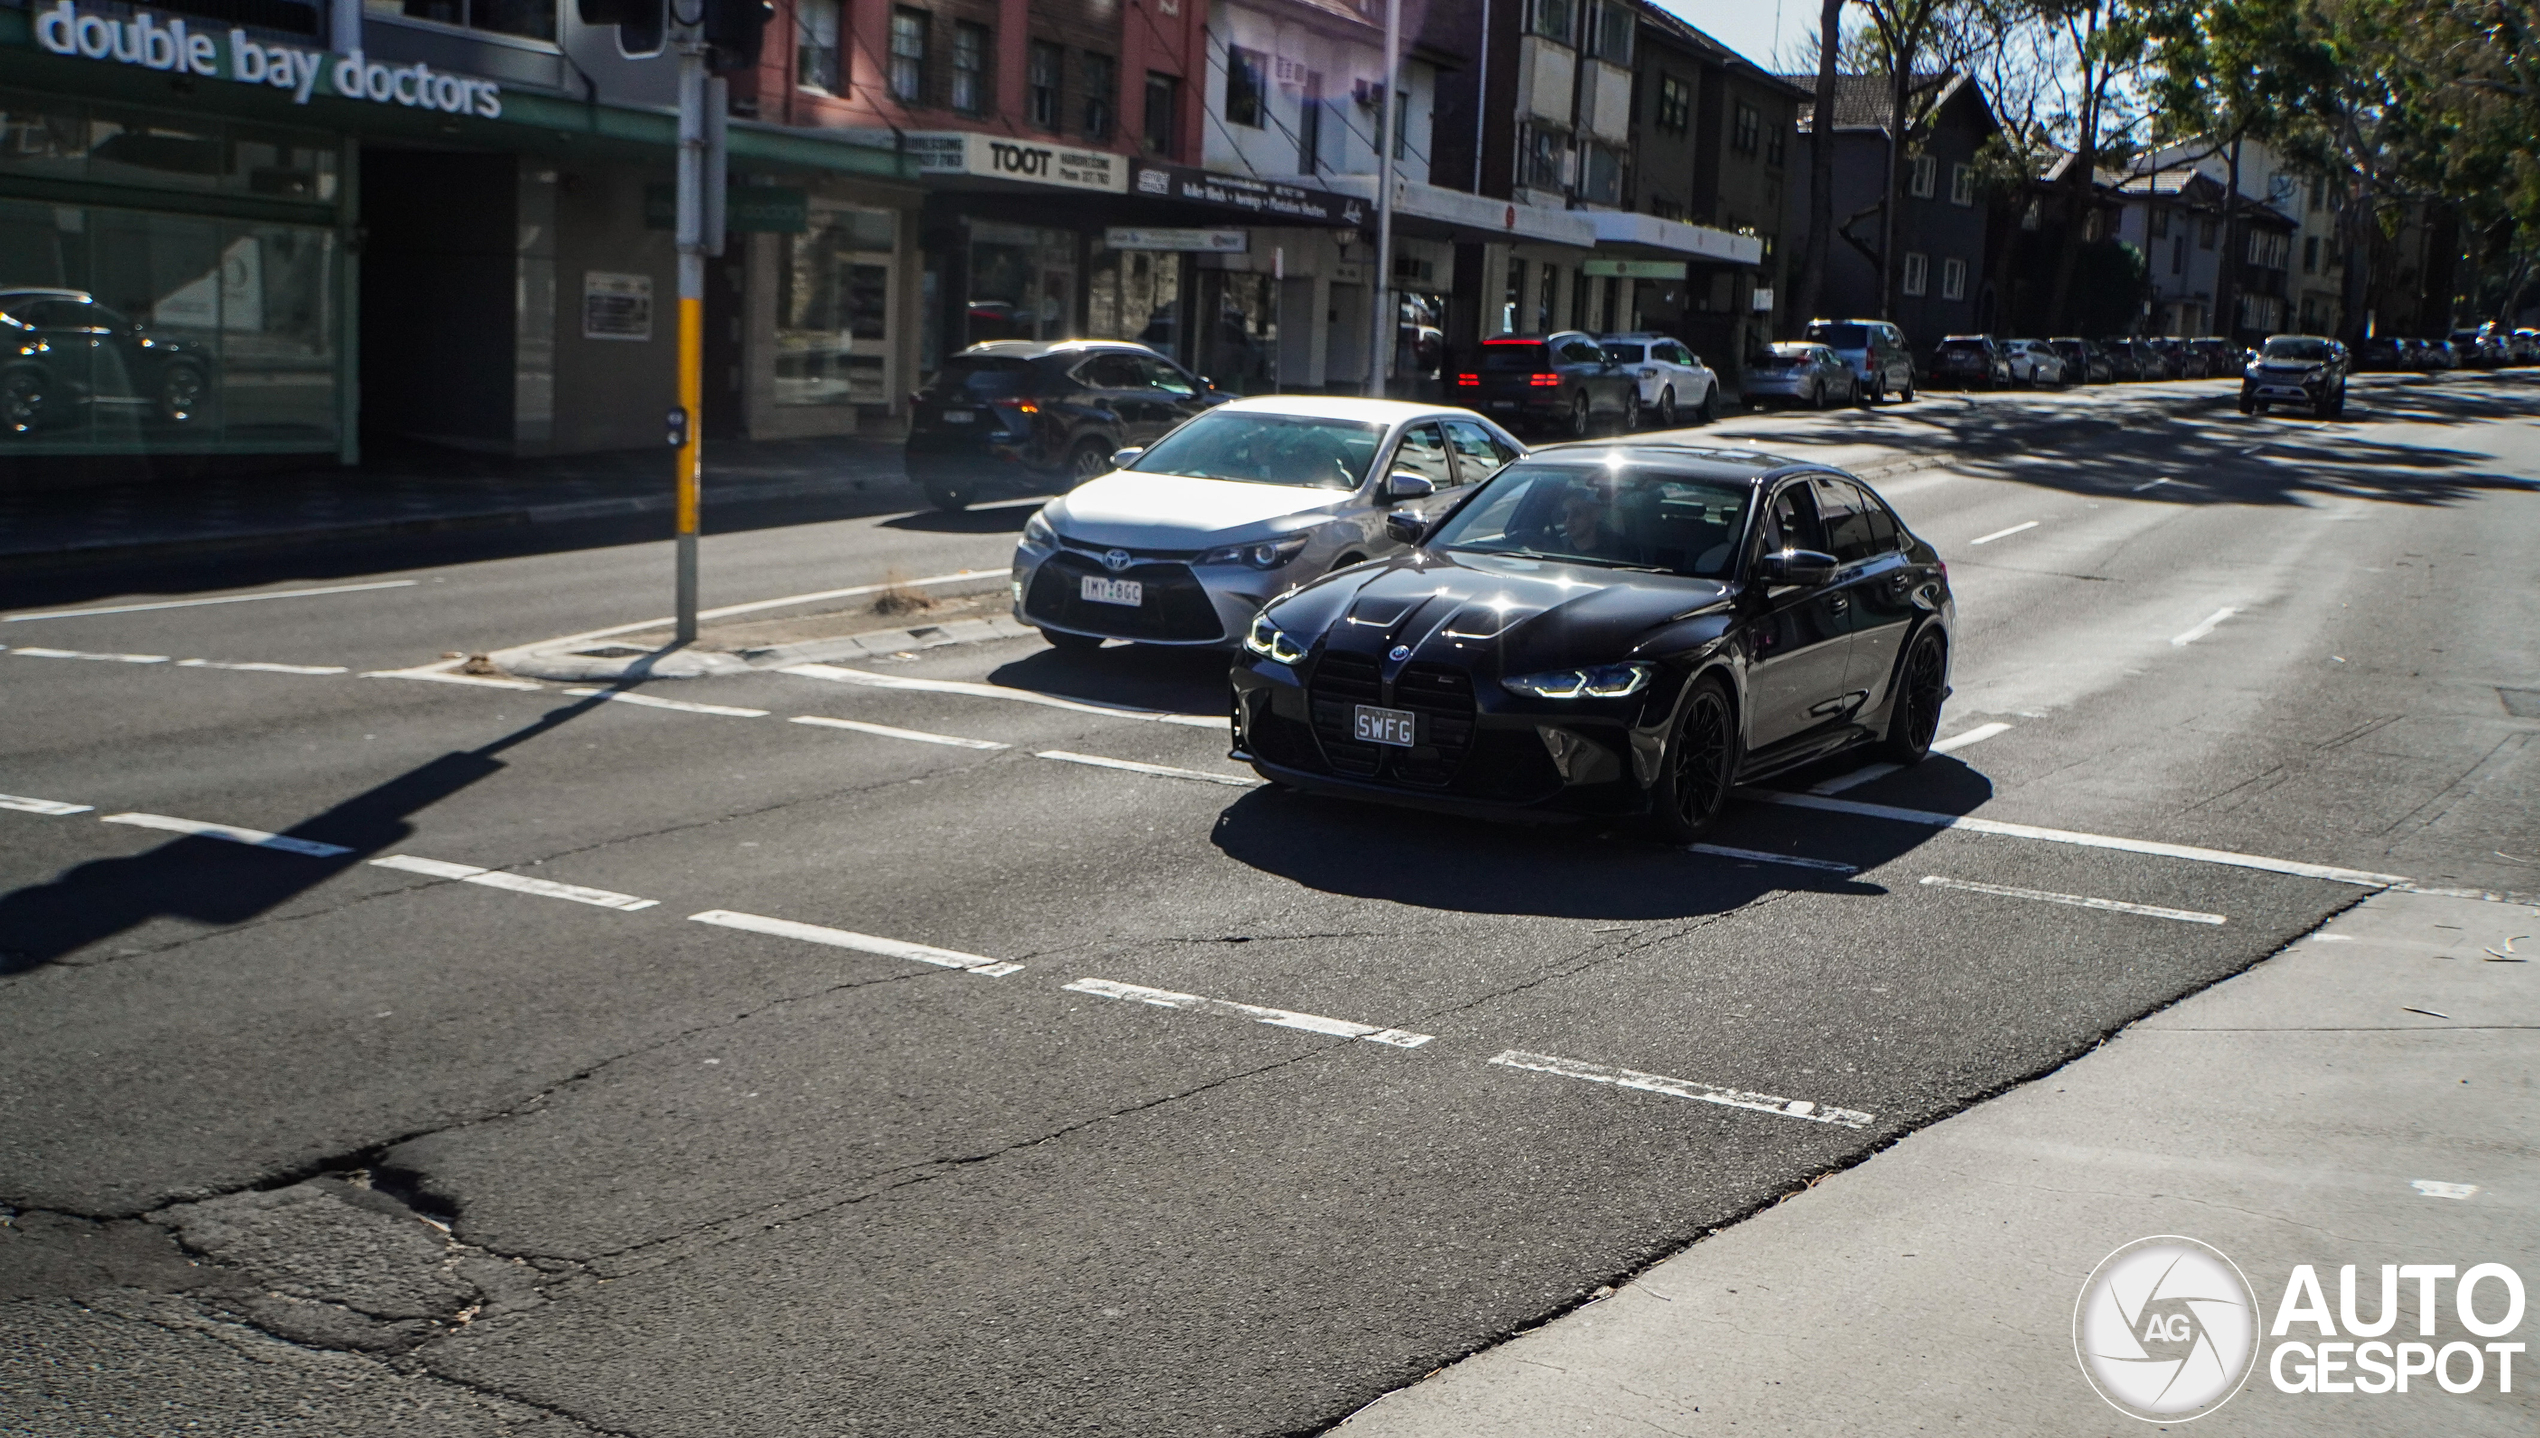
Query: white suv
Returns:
{"type": "Point", "coordinates": [1673, 380]}
{"type": "Point", "coordinates": [2033, 362]}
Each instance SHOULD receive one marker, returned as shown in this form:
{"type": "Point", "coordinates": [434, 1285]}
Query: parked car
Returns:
{"type": "Point", "coordinates": [2219, 357]}
{"type": "Point", "coordinates": [1971, 361]}
{"type": "Point", "coordinates": [66, 361]}
{"type": "Point", "coordinates": [1615, 630]}
{"type": "Point", "coordinates": [2297, 369]}
{"type": "Point", "coordinates": [2479, 348]}
{"type": "Point", "coordinates": [1023, 416]}
{"type": "Point", "coordinates": [1186, 539]}
{"type": "Point", "coordinates": [1674, 382]}
{"type": "Point", "coordinates": [2380, 352]}
{"type": "Point", "coordinates": [2033, 362]}
{"type": "Point", "coordinates": [2178, 359]}
{"type": "Point", "coordinates": [1560, 382]}
{"type": "Point", "coordinates": [2128, 360]}
{"type": "Point", "coordinates": [1798, 372]}
{"type": "Point", "coordinates": [2441, 355]}
{"type": "Point", "coordinates": [2527, 347]}
{"type": "Point", "coordinates": [2084, 362]}
{"type": "Point", "coordinates": [1873, 350]}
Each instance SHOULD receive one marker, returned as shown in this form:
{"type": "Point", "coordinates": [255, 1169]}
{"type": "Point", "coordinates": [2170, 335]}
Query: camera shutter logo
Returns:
{"type": "Point", "coordinates": [2166, 1329]}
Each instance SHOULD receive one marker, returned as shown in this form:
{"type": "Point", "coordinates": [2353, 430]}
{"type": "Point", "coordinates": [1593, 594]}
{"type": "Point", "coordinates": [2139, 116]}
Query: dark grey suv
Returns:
{"type": "Point", "coordinates": [1028, 416]}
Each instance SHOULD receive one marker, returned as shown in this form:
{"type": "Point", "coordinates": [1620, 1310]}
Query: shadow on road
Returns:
{"type": "Point", "coordinates": [216, 882]}
{"type": "Point", "coordinates": [978, 519]}
{"type": "Point", "coordinates": [1144, 676]}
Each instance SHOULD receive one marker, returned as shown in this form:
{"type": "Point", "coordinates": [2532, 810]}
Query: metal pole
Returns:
{"type": "Point", "coordinates": [1380, 350]}
{"type": "Point", "coordinates": [692, 321]}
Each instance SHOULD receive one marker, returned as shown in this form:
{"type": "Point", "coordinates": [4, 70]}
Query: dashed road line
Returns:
{"type": "Point", "coordinates": [437, 676]}
{"type": "Point", "coordinates": [1278, 1018]}
{"type": "Point", "coordinates": [256, 838]}
{"type": "Point", "coordinates": [1977, 735]}
{"type": "Point", "coordinates": [1686, 1088]}
{"type": "Point", "coordinates": [54, 807]}
{"type": "Point", "coordinates": [1758, 856]}
{"type": "Point", "coordinates": [866, 943]}
{"type": "Point", "coordinates": [31, 652]}
{"type": "Point", "coordinates": [2203, 627]}
{"type": "Point", "coordinates": [888, 732]}
{"type": "Point", "coordinates": [200, 603]}
{"type": "Point", "coordinates": [1855, 779]}
{"type": "Point", "coordinates": [2078, 901]}
{"type": "Point", "coordinates": [842, 675]}
{"type": "Point", "coordinates": [264, 668]}
{"type": "Point", "coordinates": [516, 883]}
{"type": "Point", "coordinates": [1238, 781]}
{"type": "Point", "coordinates": [684, 706]}
{"type": "Point", "coordinates": [2330, 872]}
{"type": "Point", "coordinates": [2002, 533]}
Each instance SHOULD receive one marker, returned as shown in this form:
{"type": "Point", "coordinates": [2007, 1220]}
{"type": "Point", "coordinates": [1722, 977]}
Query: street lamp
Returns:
{"type": "Point", "coordinates": [1382, 325]}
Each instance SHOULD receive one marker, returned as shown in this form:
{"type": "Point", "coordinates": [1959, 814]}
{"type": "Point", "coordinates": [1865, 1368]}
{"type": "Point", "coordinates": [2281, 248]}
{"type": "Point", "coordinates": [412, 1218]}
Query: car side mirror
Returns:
{"type": "Point", "coordinates": [1406, 526]}
{"type": "Point", "coordinates": [1123, 458]}
{"type": "Point", "coordinates": [1796, 566]}
{"type": "Point", "coordinates": [1403, 484]}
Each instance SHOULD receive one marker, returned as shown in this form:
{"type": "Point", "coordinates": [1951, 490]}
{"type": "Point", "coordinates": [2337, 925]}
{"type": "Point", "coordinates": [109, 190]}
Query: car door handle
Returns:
{"type": "Point", "coordinates": [1838, 603]}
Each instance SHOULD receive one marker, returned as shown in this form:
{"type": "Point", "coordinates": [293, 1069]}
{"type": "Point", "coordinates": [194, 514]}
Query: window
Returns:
{"type": "Point", "coordinates": [816, 45]}
{"type": "Point", "coordinates": [970, 68]}
{"type": "Point", "coordinates": [535, 19]}
{"type": "Point", "coordinates": [2311, 255]}
{"type": "Point", "coordinates": [908, 56]}
{"type": "Point", "coordinates": [1773, 144]}
{"type": "Point", "coordinates": [1102, 91]}
{"type": "Point", "coordinates": [1603, 182]}
{"type": "Point", "coordinates": [2160, 223]}
{"type": "Point", "coordinates": [1309, 125]}
{"type": "Point", "coordinates": [1853, 522]}
{"type": "Point", "coordinates": [1746, 131]}
{"type": "Point", "coordinates": [1245, 76]}
{"type": "Point", "coordinates": [1478, 453]}
{"type": "Point", "coordinates": [2178, 254]}
{"type": "Point", "coordinates": [1552, 19]}
{"type": "Point", "coordinates": [1675, 105]}
{"type": "Point", "coordinates": [1040, 84]}
{"type": "Point", "coordinates": [1164, 110]}
{"type": "Point", "coordinates": [1610, 32]}
{"type": "Point", "coordinates": [1962, 184]}
{"type": "Point", "coordinates": [1917, 273]}
{"type": "Point", "coordinates": [2319, 191]}
{"type": "Point", "coordinates": [833, 308]}
{"type": "Point", "coordinates": [1666, 209]}
{"type": "Point", "coordinates": [1541, 160]}
{"type": "Point", "coordinates": [1920, 181]}
{"type": "Point", "coordinates": [1953, 279]}
{"type": "Point", "coordinates": [2206, 231]}
{"type": "Point", "coordinates": [1423, 452]}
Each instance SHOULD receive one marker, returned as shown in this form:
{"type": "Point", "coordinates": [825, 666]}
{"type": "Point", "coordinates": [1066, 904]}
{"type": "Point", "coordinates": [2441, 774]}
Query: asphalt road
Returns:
{"type": "Point", "coordinates": [788, 1077]}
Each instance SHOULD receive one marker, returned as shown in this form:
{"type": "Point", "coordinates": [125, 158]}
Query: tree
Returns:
{"type": "Point", "coordinates": [1909, 43]}
{"type": "Point", "coordinates": [1812, 257]}
{"type": "Point", "coordinates": [2107, 43]}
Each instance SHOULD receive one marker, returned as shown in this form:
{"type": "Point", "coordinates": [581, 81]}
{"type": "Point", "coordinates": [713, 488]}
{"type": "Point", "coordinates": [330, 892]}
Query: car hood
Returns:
{"type": "Point", "coordinates": [1456, 607]}
{"type": "Point", "coordinates": [1171, 511]}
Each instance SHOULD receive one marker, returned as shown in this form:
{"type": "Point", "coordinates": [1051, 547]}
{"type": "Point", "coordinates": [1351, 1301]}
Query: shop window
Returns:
{"type": "Point", "coordinates": [1953, 279]}
{"type": "Point", "coordinates": [1102, 91]}
{"type": "Point", "coordinates": [1022, 283]}
{"type": "Point", "coordinates": [1309, 125]}
{"type": "Point", "coordinates": [833, 308]}
{"type": "Point", "coordinates": [1746, 129]}
{"type": "Point", "coordinates": [908, 55]}
{"type": "Point", "coordinates": [1163, 113]}
{"type": "Point", "coordinates": [1922, 178]}
{"type": "Point", "coordinates": [1040, 84]}
{"type": "Point", "coordinates": [816, 45]}
{"type": "Point", "coordinates": [1917, 273]}
{"type": "Point", "coordinates": [1245, 81]}
{"type": "Point", "coordinates": [1237, 343]}
{"type": "Point", "coordinates": [1552, 19]}
{"type": "Point", "coordinates": [1675, 105]}
{"type": "Point", "coordinates": [533, 19]}
{"type": "Point", "coordinates": [1136, 295]}
{"type": "Point", "coordinates": [1962, 184]}
{"type": "Point", "coordinates": [970, 68]}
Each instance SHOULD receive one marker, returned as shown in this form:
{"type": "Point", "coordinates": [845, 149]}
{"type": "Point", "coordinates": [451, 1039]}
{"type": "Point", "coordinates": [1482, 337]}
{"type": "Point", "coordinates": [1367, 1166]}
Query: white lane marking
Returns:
{"type": "Point", "coordinates": [1760, 857]}
{"type": "Point", "coordinates": [42, 806]}
{"type": "Point", "coordinates": [2204, 627]}
{"type": "Point", "coordinates": [256, 838]}
{"type": "Point", "coordinates": [2332, 938]}
{"type": "Point", "coordinates": [2437, 1188]}
{"type": "Point", "coordinates": [2164, 479]}
{"type": "Point", "coordinates": [199, 603]}
{"type": "Point", "coordinates": [2079, 901]}
{"type": "Point", "coordinates": [1686, 1088]}
{"type": "Point", "coordinates": [842, 675]}
{"type": "Point", "coordinates": [1977, 735]}
{"type": "Point", "coordinates": [684, 706]}
{"type": "Point", "coordinates": [887, 732]}
{"type": "Point", "coordinates": [1857, 777]}
{"type": "Point", "coordinates": [1279, 1018]}
{"type": "Point", "coordinates": [264, 668]}
{"type": "Point", "coordinates": [1239, 781]}
{"type": "Point", "coordinates": [34, 653]}
{"type": "Point", "coordinates": [2002, 534]}
{"type": "Point", "coordinates": [728, 610]}
{"type": "Point", "coordinates": [2192, 854]}
{"type": "Point", "coordinates": [865, 943]}
{"type": "Point", "coordinates": [516, 883]}
{"type": "Point", "coordinates": [438, 676]}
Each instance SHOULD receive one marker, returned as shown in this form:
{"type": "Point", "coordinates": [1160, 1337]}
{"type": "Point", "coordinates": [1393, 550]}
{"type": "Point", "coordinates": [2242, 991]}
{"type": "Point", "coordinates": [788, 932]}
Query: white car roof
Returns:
{"type": "Point", "coordinates": [1335, 406]}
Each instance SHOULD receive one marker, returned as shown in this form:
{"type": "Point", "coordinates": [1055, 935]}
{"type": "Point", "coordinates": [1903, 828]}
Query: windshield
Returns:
{"type": "Point", "coordinates": [1962, 344]}
{"type": "Point", "coordinates": [1523, 357]}
{"type": "Point", "coordinates": [2298, 348]}
{"type": "Point", "coordinates": [1256, 448]}
{"type": "Point", "coordinates": [1842, 337]}
{"type": "Point", "coordinates": [1607, 515]}
{"type": "Point", "coordinates": [981, 374]}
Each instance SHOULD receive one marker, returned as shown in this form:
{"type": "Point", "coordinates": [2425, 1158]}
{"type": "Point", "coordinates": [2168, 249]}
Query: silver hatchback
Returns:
{"type": "Point", "coordinates": [1183, 542]}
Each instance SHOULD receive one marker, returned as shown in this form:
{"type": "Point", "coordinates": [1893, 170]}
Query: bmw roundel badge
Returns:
{"type": "Point", "coordinates": [1399, 652]}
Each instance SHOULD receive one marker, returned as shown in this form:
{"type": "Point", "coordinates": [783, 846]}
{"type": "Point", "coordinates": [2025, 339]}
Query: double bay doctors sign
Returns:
{"type": "Point", "coordinates": [179, 47]}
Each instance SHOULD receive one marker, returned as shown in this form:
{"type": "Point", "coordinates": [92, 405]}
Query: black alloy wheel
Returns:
{"type": "Point", "coordinates": [1921, 686]}
{"type": "Point", "coordinates": [21, 399]}
{"type": "Point", "coordinates": [1667, 407]}
{"type": "Point", "coordinates": [1699, 766]}
{"type": "Point", "coordinates": [1906, 395]}
{"type": "Point", "coordinates": [1068, 643]}
{"type": "Point", "coordinates": [180, 393]}
{"type": "Point", "coordinates": [1087, 460]}
{"type": "Point", "coordinates": [1631, 409]}
{"type": "Point", "coordinates": [1817, 395]}
{"type": "Point", "coordinates": [1579, 415]}
{"type": "Point", "coordinates": [1710, 405]}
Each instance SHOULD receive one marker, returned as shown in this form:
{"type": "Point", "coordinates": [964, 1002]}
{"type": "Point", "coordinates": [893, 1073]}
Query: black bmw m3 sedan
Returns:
{"type": "Point", "coordinates": [1614, 630]}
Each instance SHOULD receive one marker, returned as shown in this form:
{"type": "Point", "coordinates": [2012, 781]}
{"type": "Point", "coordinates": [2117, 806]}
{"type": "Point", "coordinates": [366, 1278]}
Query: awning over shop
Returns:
{"type": "Point", "coordinates": [1248, 198]}
{"type": "Point", "coordinates": [1650, 237]}
{"type": "Point", "coordinates": [1456, 215]}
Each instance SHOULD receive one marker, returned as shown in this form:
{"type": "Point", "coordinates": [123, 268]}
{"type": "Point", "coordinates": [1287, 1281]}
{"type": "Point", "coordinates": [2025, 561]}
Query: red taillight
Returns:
{"type": "Point", "coordinates": [1019, 406]}
{"type": "Point", "coordinates": [1543, 381]}
{"type": "Point", "coordinates": [1471, 379]}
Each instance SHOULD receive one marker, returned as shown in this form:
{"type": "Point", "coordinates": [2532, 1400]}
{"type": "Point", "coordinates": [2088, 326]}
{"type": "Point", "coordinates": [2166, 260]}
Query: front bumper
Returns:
{"type": "Point", "coordinates": [1181, 604]}
{"type": "Point", "coordinates": [1784, 386]}
{"type": "Point", "coordinates": [2287, 390]}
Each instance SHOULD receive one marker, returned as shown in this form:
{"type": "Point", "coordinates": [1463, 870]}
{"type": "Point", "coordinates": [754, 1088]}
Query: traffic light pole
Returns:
{"type": "Point", "coordinates": [692, 320]}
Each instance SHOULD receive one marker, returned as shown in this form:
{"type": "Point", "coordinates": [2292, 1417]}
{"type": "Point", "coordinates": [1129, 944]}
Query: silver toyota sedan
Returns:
{"type": "Point", "coordinates": [1184, 541]}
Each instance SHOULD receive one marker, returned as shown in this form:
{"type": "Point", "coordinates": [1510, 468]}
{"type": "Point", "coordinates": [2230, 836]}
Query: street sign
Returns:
{"type": "Point", "coordinates": [1215, 242]}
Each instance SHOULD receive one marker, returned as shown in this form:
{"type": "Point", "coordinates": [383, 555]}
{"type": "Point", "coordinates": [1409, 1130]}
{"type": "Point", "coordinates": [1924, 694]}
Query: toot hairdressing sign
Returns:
{"type": "Point", "coordinates": [184, 47]}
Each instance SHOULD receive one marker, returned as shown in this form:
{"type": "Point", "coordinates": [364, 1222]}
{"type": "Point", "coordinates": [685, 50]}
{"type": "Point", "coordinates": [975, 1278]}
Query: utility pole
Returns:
{"type": "Point", "coordinates": [686, 420]}
{"type": "Point", "coordinates": [1385, 325]}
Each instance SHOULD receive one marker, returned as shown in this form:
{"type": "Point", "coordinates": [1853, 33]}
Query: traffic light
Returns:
{"type": "Point", "coordinates": [642, 25]}
{"type": "Point", "coordinates": [731, 30]}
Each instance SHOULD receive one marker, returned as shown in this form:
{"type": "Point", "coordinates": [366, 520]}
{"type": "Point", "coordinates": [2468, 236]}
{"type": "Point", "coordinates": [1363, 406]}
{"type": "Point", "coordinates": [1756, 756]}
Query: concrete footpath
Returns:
{"type": "Point", "coordinates": [2370, 1096]}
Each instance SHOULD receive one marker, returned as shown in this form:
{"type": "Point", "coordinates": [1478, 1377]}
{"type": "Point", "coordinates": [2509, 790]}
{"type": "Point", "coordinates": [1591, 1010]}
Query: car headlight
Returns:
{"type": "Point", "coordinates": [1267, 640]}
{"type": "Point", "coordinates": [1262, 554]}
{"type": "Point", "coordinates": [1597, 681]}
{"type": "Point", "coordinates": [1036, 530]}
